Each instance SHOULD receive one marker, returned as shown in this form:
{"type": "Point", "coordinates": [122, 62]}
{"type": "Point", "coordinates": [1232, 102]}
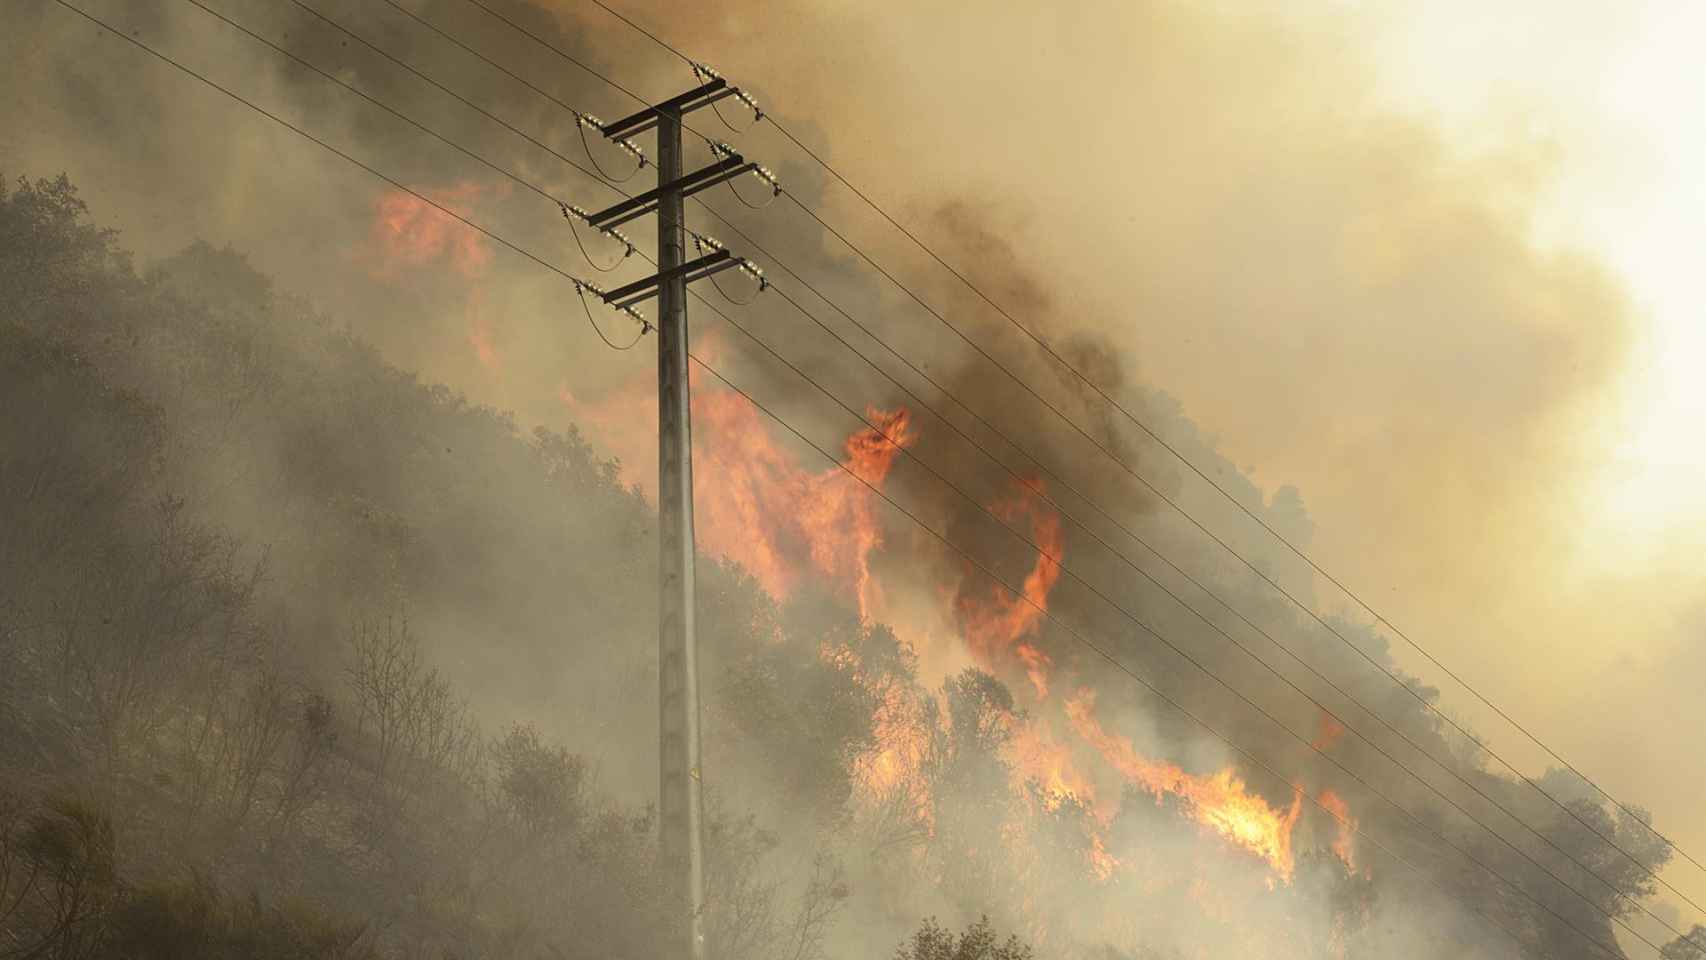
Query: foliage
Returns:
{"type": "Point", "coordinates": [978, 942]}
{"type": "Point", "coordinates": [1690, 946]}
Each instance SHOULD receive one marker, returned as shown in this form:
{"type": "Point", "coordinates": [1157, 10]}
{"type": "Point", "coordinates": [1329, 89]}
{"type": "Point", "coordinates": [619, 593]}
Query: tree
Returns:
{"type": "Point", "coordinates": [978, 942]}
{"type": "Point", "coordinates": [539, 784]}
{"type": "Point", "coordinates": [1690, 946]}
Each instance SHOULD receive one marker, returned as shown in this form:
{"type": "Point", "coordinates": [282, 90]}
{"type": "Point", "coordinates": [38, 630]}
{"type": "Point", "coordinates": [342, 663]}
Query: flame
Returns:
{"type": "Point", "coordinates": [1037, 667]}
{"type": "Point", "coordinates": [901, 740]}
{"type": "Point", "coordinates": [1220, 802]}
{"type": "Point", "coordinates": [407, 232]}
{"type": "Point", "coordinates": [624, 423]}
{"type": "Point", "coordinates": [1041, 760]}
{"type": "Point", "coordinates": [1344, 845]}
{"type": "Point", "coordinates": [780, 521]}
{"type": "Point", "coordinates": [1102, 863]}
{"type": "Point", "coordinates": [994, 621]}
{"type": "Point", "coordinates": [754, 504]}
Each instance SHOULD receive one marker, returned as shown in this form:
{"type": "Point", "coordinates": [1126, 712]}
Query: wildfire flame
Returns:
{"type": "Point", "coordinates": [890, 772]}
{"type": "Point", "coordinates": [407, 232]}
{"type": "Point", "coordinates": [754, 504]}
{"type": "Point", "coordinates": [782, 522]}
{"type": "Point", "coordinates": [1220, 802]}
{"type": "Point", "coordinates": [994, 622]}
{"type": "Point", "coordinates": [1041, 760]}
{"type": "Point", "coordinates": [1344, 844]}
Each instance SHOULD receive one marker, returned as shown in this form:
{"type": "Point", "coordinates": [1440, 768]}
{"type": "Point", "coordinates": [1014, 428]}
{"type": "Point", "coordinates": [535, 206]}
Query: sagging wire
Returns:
{"type": "Point", "coordinates": [572, 213]}
{"type": "Point", "coordinates": [584, 120]}
{"type": "Point", "coordinates": [760, 171]}
{"type": "Point", "coordinates": [703, 71]}
{"type": "Point", "coordinates": [582, 288]}
{"type": "Point", "coordinates": [701, 241]}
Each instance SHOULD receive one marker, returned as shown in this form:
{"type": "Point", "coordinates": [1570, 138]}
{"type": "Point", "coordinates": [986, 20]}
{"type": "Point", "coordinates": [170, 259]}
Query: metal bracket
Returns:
{"type": "Point", "coordinates": [699, 97]}
{"type": "Point", "coordinates": [641, 204]}
{"type": "Point", "coordinates": [639, 291]}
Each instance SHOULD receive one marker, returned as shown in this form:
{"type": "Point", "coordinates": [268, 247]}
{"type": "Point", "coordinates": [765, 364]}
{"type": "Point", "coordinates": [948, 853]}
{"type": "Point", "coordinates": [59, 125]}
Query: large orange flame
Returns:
{"type": "Point", "coordinates": [754, 504]}
{"type": "Point", "coordinates": [994, 621]}
{"type": "Point", "coordinates": [1220, 801]}
{"type": "Point", "coordinates": [780, 521]}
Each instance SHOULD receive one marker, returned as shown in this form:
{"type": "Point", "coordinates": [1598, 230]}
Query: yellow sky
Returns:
{"type": "Point", "coordinates": [1622, 86]}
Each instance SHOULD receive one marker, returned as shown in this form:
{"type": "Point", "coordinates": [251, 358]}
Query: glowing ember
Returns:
{"type": "Point", "coordinates": [1220, 802]}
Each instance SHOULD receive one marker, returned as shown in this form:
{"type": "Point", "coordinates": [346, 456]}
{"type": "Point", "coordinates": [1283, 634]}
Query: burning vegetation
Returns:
{"type": "Point", "coordinates": [782, 521]}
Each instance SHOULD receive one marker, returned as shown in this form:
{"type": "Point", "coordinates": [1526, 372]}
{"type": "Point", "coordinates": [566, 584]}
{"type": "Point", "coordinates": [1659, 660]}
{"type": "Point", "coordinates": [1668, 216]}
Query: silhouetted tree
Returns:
{"type": "Point", "coordinates": [978, 942]}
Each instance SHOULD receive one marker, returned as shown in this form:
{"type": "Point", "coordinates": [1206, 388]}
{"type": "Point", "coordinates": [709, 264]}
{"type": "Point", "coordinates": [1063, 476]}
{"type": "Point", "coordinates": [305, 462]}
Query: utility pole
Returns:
{"type": "Point", "coordinates": [679, 807]}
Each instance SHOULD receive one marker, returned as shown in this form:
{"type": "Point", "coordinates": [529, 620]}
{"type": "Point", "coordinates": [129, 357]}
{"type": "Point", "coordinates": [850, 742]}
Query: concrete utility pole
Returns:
{"type": "Point", "coordinates": [679, 807]}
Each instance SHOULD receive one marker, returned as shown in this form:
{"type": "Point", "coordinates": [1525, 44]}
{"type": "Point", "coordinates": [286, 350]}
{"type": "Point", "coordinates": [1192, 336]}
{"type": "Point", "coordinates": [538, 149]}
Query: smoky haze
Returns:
{"type": "Point", "coordinates": [347, 386]}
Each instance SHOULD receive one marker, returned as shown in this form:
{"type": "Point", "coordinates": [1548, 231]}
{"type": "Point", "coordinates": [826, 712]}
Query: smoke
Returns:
{"type": "Point", "coordinates": [1207, 213]}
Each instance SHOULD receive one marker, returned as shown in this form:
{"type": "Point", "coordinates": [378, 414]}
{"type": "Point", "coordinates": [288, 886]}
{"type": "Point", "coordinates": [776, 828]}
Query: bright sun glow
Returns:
{"type": "Point", "coordinates": [1655, 490]}
{"type": "Point", "coordinates": [1624, 83]}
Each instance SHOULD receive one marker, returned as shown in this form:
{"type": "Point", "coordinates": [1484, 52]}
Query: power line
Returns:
{"type": "Point", "coordinates": [1608, 884]}
{"type": "Point", "coordinates": [415, 72]}
{"type": "Point", "coordinates": [512, 246]}
{"type": "Point", "coordinates": [653, 37]}
{"type": "Point", "coordinates": [1379, 618]}
{"type": "Point", "coordinates": [383, 106]}
{"type": "Point", "coordinates": [464, 47]}
{"type": "Point", "coordinates": [553, 48]}
{"type": "Point", "coordinates": [580, 285]}
{"type": "Point", "coordinates": [566, 56]}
